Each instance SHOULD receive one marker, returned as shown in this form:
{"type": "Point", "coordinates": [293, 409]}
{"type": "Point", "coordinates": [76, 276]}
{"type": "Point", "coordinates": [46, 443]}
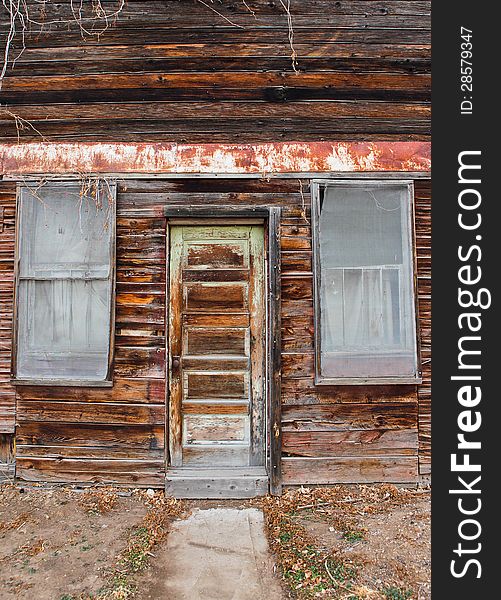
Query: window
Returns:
{"type": "Point", "coordinates": [65, 283]}
{"type": "Point", "coordinates": [364, 282]}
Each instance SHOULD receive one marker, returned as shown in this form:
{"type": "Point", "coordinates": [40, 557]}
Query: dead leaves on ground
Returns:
{"type": "Point", "coordinates": [98, 501]}
{"type": "Point", "coordinates": [16, 523]}
{"type": "Point", "coordinates": [312, 571]}
{"type": "Point", "coordinates": [142, 539]}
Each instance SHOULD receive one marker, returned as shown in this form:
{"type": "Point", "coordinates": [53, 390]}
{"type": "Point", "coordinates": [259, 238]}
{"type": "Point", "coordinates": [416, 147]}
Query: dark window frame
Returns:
{"type": "Point", "coordinates": [111, 188]}
{"type": "Point", "coordinates": [317, 189]}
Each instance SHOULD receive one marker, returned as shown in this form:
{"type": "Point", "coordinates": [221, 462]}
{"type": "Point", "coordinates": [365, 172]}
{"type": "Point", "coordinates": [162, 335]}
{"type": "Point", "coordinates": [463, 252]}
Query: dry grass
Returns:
{"type": "Point", "coordinates": [141, 541]}
{"type": "Point", "coordinates": [98, 501]}
{"type": "Point", "coordinates": [342, 543]}
{"type": "Point", "coordinates": [312, 570]}
{"type": "Point", "coordinates": [31, 548]}
{"type": "Point", "coordinates": [16, 523]}
{"type": "Point", "coordinates": [35, 548]}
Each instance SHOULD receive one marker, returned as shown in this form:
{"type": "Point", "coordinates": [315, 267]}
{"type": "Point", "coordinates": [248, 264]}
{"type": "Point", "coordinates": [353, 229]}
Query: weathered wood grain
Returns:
{"type": "Point", "coordinates": [88, 453]}
{"type": "Point", "coordinates": [215, 407]}
{"type": "Point", "coordinates": [7, 228]}
{"type": "Point", "coordinates": [353, 469]}
{"type": "Point", "coordinates": [81, 412]}
{"type": "Point", "coordinates": [228, 35]}
{"type": "Point", "coordinates": [128, 391]}
{"type": "Point", "coordinates": [236, 455]}
{"type": "Point", "coordinates": [181, 72]}
{"type": "Point", "coordinates": [215, 341]}
{"type": "Point", "coordinates": [216, 385]}
{"type": "Point", "coordinates": [136, 9]}
{"type": "Point", "coordinates": [231, 110]}
{"type": "Point", "coordinates": [346, 417]}
{"type": "Point", "coordinates": [142, 473]}
{"type": "Point", "coordinates": [140, 362]}
{"type": "Point", "coordinates": [423, 233]}
{"type": "Point", "coordinates": [367, 442]}
{"type": "Point", "coordinates": [239, 130]}
{"type": "Point", "coordinates": [7, 457]}
{"type": "Point", "coordinates": [297, 334]}
{"type": "Point", "coordinates": [216, 298]}
{"type": "Point", "coordinates": [302, 390]}
{"type": "Point", "coordinates": [175, 14]}
{"type": "Point", "coordinates": [297, 287]}
{"type": "Point", "coordinates": [127, 437]}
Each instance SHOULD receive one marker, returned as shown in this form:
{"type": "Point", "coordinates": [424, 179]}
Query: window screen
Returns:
{"type": "Point", "coordinates": [365, 293]}
{"type": "Point", "coordinates": [65, 282]}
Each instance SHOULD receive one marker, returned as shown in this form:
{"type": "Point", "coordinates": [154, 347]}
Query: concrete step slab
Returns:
{"type": "Point", "coordinates": [217, 554]}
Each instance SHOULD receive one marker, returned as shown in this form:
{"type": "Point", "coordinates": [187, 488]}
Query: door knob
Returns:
{"type": "Point", "coordinates": [176, 363]}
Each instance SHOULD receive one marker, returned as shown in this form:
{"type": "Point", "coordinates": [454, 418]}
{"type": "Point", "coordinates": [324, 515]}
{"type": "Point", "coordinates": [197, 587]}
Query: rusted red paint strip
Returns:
{"type": "Point", "coordinates": [281, 157]}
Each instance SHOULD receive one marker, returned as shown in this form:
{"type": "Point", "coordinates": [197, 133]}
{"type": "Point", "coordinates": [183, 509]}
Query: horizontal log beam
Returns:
{"type": "Point", "coordinates": [281, 157]}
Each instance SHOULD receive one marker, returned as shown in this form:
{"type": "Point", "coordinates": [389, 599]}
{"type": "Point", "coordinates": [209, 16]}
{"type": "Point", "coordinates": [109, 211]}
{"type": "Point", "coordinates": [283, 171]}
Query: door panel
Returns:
{"type": "Point", "coordinates": [200, 429]}
{"type": "Point", "coordinates": [216, 346]}
{"type": "Point", "coordinates": [202, 341]}
{"type": "Point", "coordinates": [215, 384]}
{"type": "Point", "coordinates": [217, 255]}
{"type": "Point", "coordinates": [215, 297]}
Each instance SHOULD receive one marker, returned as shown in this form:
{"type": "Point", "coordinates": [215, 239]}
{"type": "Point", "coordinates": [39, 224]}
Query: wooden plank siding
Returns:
{"type": "Point", "coordinates": [347, 433]}
{"type": "Point", "coordinates": [177, 71]}
{"type": "Point", "coordinates": [113, 434]}
{"type": "Point", "coordinates": [7, 241]}
{"type": "Point", "coordinates": [423, 252]}
{"type": "Point", "coordinates": [330, 433]}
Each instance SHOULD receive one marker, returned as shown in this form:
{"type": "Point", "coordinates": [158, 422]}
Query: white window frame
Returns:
{"type": "Point", "coordinates": [317, 189]}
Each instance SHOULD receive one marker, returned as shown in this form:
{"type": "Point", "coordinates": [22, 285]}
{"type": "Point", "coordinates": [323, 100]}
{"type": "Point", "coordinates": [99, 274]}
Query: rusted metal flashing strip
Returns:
{"type": "Point", "coordinates": [281, 157]}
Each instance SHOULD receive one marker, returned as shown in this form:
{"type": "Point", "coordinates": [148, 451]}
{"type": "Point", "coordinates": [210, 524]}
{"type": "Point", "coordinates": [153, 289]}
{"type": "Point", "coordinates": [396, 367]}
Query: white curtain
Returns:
{"type": "Point", "coordinates": [366, 280]}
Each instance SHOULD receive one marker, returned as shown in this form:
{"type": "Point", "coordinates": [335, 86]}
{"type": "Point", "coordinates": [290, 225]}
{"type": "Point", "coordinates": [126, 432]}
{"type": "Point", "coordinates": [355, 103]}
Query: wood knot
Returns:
{"type": "Point", "coordinates": [276, 94]}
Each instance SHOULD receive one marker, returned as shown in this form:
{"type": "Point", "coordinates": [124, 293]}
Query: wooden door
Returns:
{"type": "Point", "coordinates": [217, 346]}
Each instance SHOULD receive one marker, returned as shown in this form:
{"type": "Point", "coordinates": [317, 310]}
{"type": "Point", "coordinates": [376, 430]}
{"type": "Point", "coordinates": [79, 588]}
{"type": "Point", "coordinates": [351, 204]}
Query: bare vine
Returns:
{"type": "Point", "coordinates": [21, 124]}
{"type": "Point", "coordinates": [303, 202]}
{"type": "Point", "coordinates": [286, 5]}
{"type": "Point", "coordinates": [92, 20]}
{"type": "Point", "coordinates": [219, 14]}
{"type": "Point", "coordinates": [21, 20]}
{"type": "Point", "coordinates": [14, 9]}
{"type": "Point", "coordinates": [91, 188]}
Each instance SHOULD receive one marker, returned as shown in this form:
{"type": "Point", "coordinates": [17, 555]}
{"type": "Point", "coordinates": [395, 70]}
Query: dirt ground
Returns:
{"type": "Point", "coordinates": [57, 544]}
{"type": "Point", "coordinates": [352, 542]}
{"type": "Point", "coordinates": [69, 544]}
{"type": "Point", "coordinates": [394, 551]}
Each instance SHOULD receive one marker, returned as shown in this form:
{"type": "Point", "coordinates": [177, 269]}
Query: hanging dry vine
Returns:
{"type": "Point", "coordinates": [21, 124]}
{"type": "Point", "coordinates": [92, 20]}
{"type": "Point", "coordinates": [90, 16]}
{"type": "Point", "coordinates": [95, 189]}
{"type": "Point", "coordinates": [286, 5]}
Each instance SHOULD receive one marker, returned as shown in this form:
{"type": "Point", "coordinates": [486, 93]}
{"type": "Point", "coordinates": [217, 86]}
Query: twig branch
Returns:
{"type": "Point", "coordinates": [219, 14]}
{"type": "Point", "coordinates": [286, 5]}
{"type": "Point", "coordinates": [20, 19]}
{"type": "Point", "coordinates": [22, 124]}
{"type": "Point", "coordinates": [335, 581]}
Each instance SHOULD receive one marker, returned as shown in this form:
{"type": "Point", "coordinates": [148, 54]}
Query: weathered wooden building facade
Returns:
{"type": "Point", "coordinates": [215, 267]}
